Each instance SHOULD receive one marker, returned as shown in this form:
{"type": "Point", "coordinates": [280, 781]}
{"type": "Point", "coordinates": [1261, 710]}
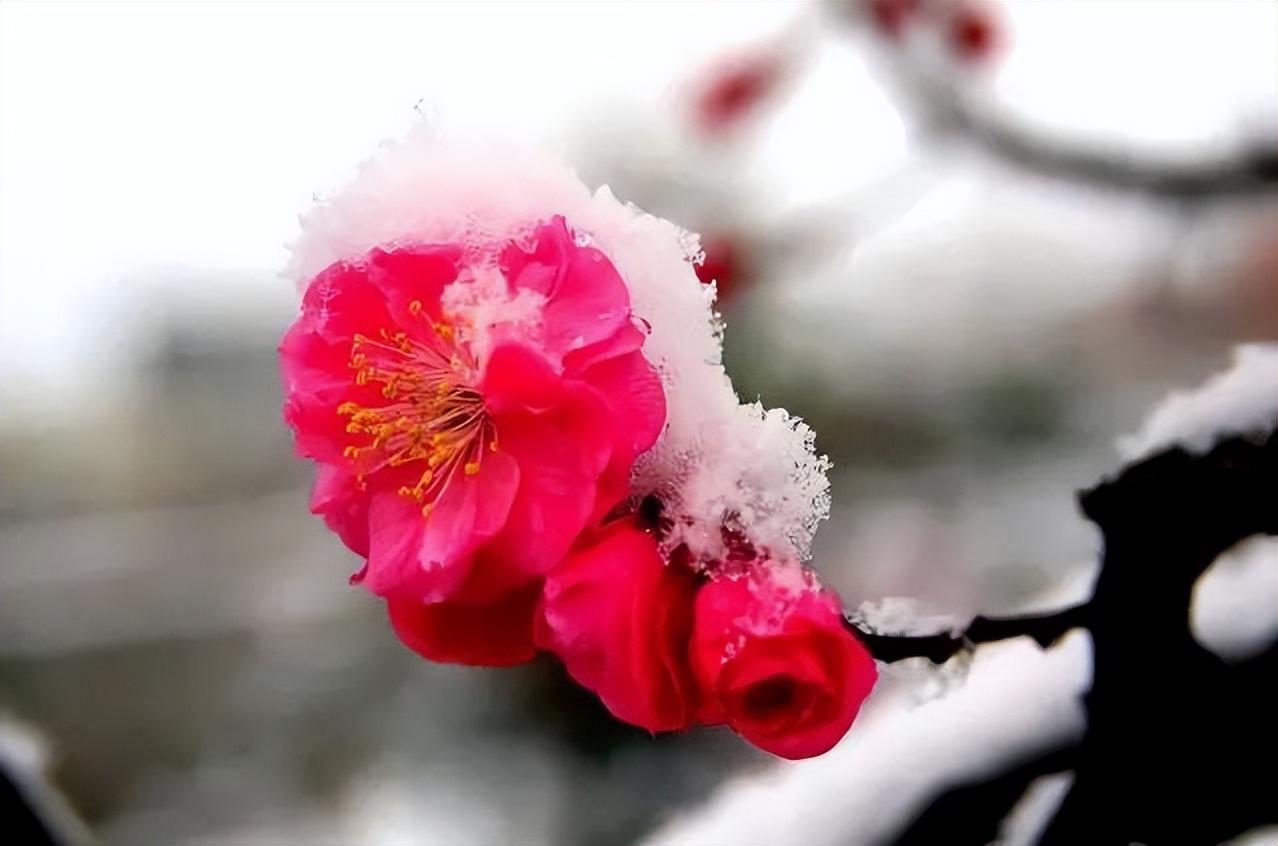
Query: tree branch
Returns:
{"type": "Point", "coordinates": [1249, 172]}
{"type": "Point", "coordinates": [942, 105]}
{"type": "Point", "coordinates": [1045, 629]}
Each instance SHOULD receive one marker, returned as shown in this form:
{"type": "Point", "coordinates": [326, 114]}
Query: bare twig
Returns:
{"type": "Point", "coordinates": [1250, 171]}
{"type": "Point", "coordinates": [938, 648]}
{"type": "Point", "coordinates": [943, 102]}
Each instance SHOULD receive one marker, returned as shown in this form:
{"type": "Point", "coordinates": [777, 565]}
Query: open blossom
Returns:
{"type": "Point", "coordinates": [496, 371]}
{"type": "Point", "coordinates": [469, 417]}
{"type": "Point", "coordinates": [778, 666]}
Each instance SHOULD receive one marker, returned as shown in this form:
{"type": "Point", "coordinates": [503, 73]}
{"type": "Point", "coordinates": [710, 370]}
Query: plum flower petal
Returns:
{"type": "Point", "coordinates": [335, 497]}
{"type": "Point", "coordinates": [619, 618]}
{"type": "Point", "coordinates": [428, 558]}
{"type": "Point", "coordinates": [405, 276]}
{"type": "Point", "coordinates": [586, 300]}
{"type": "Point", "coordinates": [495, 634]}
{"type": "Point", "coordinates": [626, 382]}
{"type": "Point", "coordinates": [774, 660]}
{"type": "Point", "coordinates": [340, 302]}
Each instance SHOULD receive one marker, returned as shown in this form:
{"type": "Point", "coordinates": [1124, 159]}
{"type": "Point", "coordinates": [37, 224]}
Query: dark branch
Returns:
{"type": "Point", "coordinates": [1044, 629]}
{"type": "Point", "coordinates": [1167, 720]}
{"type": "Point", "coordinates": [938, 648]}
{"type": "Point", "coordinates": [942, 105]}
{"type": "Point", "coordinates": [1249, 172]}
{"type": "Point", "coordinates": [972, 812]}
{"type": "Point", "coordinates": [1238, 471]}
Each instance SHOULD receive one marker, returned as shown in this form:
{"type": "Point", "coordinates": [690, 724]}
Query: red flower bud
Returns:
{"type": "Point", "coordinates": [775, 662]}
{"type": "Point", "coordinates": [619, 617]}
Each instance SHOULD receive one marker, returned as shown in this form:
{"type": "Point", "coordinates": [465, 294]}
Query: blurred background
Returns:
{"type": "Point", "coordinates": [972, 242]}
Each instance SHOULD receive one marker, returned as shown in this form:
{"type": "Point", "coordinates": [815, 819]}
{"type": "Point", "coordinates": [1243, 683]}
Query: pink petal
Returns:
{"type": "Point", "coordinates": [632, 390]}
{"type": "Point", "coordinates": [561, 454]}
{"type": "Point", "coordinates": [633, 393]}
{"type": "Point", "coordinates": [541, 270]}
{"type": "Point", "coordinates": [491, 576]}
{"type": "Point", "coordinates": [498, 634]}
{"type": "Point", "coordinates": [587, 300]}
{"type": "Point", "coordinates": [620, 619]}
{"type": "Point", "coordinates": [319, 432]}
{"type": "Point", "coordinates": [341, 302]}
{"type": "Point", "coordinates": [517, 378]}
{"type": "Point", "coordinates": [343, 506]}
{"type": "Point", "coordinates": [626, 339]}
{"type": "Point", "coordinates": [312, 364]}
{"type": "Point", "coordinates": [407, 275]}
{"type": "Point", "coordinates": [428, 558]}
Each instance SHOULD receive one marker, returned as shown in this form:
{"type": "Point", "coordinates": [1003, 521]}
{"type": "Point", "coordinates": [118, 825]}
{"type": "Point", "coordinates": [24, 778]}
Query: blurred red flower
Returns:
{"type": "Point", "coordinates": [973, 32]}
{"type": "Point", "coordinates": [892, 16]}
{"type": "Point", "coordinates": [721, 265]}
{"type": "Point", "coordinates": [734, 89]}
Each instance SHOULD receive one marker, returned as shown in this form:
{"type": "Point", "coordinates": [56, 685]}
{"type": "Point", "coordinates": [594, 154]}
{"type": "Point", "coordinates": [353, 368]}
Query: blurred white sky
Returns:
{"type": "Point", "coordinates": [146, 144]}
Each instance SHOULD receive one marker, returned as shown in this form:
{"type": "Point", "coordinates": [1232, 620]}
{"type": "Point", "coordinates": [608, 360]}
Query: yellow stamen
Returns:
{"type": "Point", "coordinates": [428, 414]}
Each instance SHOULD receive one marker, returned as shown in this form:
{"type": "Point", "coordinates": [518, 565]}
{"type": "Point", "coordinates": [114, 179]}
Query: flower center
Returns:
{"type": "Point", "coordinates": [432, 414]}
{"type": "Point", "coordinates": [770, 696]}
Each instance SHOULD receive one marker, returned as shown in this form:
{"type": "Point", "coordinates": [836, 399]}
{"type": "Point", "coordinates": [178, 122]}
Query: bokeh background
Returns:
{"type": "Point", "coordinates": [971, 242]}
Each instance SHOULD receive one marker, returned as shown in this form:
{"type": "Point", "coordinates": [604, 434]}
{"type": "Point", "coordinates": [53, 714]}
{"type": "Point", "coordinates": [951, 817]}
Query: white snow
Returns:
{"type": "Point", "coordinates": [904, 615]}
{"type": "Point", "coordinates": [1028, 819]}
{"type": "Point", "coordinates": [1235, 607]}
{"type": "Point", "coordinates": [1019, 701]}
{"type": "Point", "coordinates": [1243, 400]}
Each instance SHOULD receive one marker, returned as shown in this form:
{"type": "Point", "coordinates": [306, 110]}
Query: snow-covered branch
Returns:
{"type": "Point", "coordinates": [1044, 629]}
{"type": "Point", "coordinates": [1166, 720]}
